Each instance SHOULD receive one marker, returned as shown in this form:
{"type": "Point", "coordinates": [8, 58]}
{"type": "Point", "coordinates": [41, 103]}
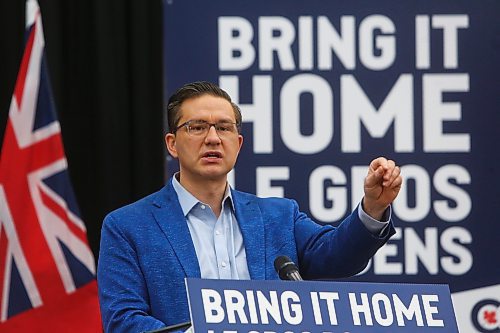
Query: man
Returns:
{"type": "Point", "coordinates": [197, 226]}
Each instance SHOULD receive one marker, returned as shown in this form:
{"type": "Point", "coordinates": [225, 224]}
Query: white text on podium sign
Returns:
{"type": "Point", "coordinates": [277, 306]}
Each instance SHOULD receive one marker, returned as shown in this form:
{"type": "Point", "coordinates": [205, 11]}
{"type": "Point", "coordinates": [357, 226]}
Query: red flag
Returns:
{"type": "Point", "coordinates": [47, 270]}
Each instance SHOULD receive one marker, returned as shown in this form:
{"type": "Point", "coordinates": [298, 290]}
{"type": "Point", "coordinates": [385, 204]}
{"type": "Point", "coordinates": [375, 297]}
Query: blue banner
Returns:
{"type": "Point", "coordinates": [277, 306]}
{"type": "Point", "coordinates": [325, 87]}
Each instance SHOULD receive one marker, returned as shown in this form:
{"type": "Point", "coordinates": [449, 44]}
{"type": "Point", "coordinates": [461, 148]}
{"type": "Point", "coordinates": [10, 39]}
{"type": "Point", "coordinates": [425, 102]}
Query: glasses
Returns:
{"type": "Point", "coordinates": [202, 127]}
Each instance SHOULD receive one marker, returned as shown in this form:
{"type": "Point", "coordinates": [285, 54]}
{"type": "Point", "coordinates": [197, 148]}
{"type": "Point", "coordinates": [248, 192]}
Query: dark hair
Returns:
{"type": "Point", "coordinates": [193, 90]}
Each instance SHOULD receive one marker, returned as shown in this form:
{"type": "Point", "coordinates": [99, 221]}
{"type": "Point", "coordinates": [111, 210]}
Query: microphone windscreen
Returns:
{"type": "Point", "coordinates": [284, 266]}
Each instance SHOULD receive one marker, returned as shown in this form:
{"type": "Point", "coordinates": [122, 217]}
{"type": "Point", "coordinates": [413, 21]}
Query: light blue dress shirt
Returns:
{"type": "Point", "coordinates": [218, 242]}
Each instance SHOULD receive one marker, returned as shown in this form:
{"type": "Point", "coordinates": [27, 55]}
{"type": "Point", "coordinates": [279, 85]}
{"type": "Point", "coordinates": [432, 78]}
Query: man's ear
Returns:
{"type": "Point", "coordinates": [240, 141]}
{"type": "Point", "coordinates": [170, 143]}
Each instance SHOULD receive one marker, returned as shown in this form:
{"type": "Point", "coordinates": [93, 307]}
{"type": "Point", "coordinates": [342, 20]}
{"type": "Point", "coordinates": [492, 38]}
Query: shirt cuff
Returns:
{"type": "Point", "coordinates": [376, 227]}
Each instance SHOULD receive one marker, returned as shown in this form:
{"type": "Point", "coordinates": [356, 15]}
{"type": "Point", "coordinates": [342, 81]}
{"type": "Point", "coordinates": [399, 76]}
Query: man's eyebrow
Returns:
{"type": "Point", "coordinates": [225, 120]}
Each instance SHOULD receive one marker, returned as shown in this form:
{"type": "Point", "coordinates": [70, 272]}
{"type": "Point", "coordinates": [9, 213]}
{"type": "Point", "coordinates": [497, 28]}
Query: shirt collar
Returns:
{"type": "Point", "coordinates": [189, 201]}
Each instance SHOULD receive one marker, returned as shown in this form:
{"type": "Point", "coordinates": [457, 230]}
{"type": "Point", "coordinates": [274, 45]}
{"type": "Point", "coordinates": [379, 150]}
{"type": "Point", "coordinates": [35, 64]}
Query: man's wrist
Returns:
{"type": "Point", "coordinates": [375, 213]}
{"type": "Point", "coordinates": [376, 227]}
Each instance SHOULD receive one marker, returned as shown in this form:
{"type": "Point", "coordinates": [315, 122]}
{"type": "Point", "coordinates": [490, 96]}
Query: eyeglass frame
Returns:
{"type": "Point", "coordinates": [199, 121]}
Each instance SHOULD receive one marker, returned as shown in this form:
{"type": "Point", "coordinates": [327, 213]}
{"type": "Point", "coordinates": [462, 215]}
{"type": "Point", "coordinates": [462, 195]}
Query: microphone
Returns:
{"type": "Point", "coordinates": [286, 269]}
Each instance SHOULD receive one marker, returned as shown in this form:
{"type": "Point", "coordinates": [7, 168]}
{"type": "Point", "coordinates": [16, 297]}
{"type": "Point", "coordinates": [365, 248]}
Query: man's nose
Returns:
{"type": "Point", "coordinates": [212, 135]}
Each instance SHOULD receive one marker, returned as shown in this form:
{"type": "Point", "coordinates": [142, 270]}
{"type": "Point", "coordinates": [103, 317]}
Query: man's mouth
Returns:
{"type": "Point", "coordinates": [212, 154]}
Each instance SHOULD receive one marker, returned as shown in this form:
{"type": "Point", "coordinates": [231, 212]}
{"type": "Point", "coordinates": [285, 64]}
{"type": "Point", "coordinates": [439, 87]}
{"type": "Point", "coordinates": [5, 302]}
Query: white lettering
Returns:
{"type": "Point", "coordinates": [330, 40]}
{"type": "Point", "coordinates": [292, 313]}
{"type": "Point", "coordinates": [260, 113]}
{"type": "Point", "coordinates": [235, 303]}
{"type": "Point", "coordinates": [385, 43]}
{"type": "Point", "coordinates": [417, 177]}
{"type": "Point", "coordinates": [397, 108]}
{"type": "Point", "coordinates": [363, 308]}
{"type": "Point", "coordinates": [235, 43]}
{"type": "Point", "coordinates": [276, 34]}
{"type": "Point", "coordinates": [381, 265]}
{"type": "Point", "coordinates": [426, 251]}
{"type": "Point", "coordinates": [265, 175]}
{"type": "Point", "coordinates": [306, 56]}
{"type": "Point", "coordinates": [322, 112]}
{"type": "Point", "coordinates": [461, 261]}
{"type": "Point", "coordinates": [318, 319]}
{"type": "Point", "coordinates": [430, 310]}
{"type": "Point", "coordinates": [381, 301]}
{"type": "Point", "coordinates": [252, 309]}
{"type": "Point", "coordinates": [436, 112]}
{"type": "Point", "coordinates": [269, 307]}
{"type": "Point", "coordinates": [336, 195]}
{"type": "Point", "coordinates": [412, 311]}
{"type": "Point", "coordinates": [212, 305]}
{"type": "Point", "coordinates": [461, 198]}
{"type": "Point", "coordinates": [450, 25]}
{"type": "Point", "coordinates": [422, 42]}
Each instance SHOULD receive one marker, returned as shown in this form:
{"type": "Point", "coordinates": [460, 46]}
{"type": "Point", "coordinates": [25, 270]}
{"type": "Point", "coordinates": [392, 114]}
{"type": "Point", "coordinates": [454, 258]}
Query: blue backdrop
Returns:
{"type": "Point", "coordinates": [326, 87]}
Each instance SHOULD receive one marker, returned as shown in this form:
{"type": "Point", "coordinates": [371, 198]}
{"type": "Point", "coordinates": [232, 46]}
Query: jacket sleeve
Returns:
{"type": "Point", "coordinates": [123, 294]}
{"type": "Point", "coordinates": [326, 252]}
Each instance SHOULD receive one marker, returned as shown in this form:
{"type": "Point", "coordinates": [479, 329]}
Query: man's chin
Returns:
{"type": "Point", "coordinates": [215, 173]}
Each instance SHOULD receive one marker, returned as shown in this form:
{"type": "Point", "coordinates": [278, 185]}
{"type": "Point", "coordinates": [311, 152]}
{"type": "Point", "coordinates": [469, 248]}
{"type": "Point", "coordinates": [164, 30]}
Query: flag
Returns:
{"type": "Point", "coordinates": [47, 270]}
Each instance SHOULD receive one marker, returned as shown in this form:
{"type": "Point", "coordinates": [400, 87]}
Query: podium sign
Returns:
{"type": "Point", "coordinates": [285, 306]}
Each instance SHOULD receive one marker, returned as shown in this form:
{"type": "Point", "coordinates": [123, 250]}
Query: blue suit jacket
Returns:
{"type": "Point", "coordinates": [146, 252]}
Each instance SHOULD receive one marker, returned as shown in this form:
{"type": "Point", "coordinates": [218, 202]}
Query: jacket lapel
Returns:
{"type": "Point", "coordinates": [251, 225]}
{"type": "Point", "coordinates": [169, 216]}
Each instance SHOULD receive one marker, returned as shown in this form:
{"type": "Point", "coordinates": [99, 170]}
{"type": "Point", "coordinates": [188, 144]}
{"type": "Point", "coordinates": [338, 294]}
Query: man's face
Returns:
{"type": "Point", "coordinates": [210, 156]}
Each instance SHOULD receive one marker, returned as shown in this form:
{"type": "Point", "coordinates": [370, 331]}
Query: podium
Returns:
{"type": "Point", "coordinates": [309, 306]}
